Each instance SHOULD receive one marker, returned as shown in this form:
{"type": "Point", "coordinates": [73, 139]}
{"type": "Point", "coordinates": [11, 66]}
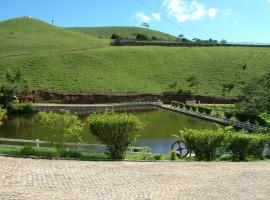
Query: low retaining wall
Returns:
{"type": "Point", "coordinates": [92, 98]}
{"type": "Point", "coordinates": [93, 108]}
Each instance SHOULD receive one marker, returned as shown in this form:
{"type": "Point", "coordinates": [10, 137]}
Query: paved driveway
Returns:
{"type": "Point", "coordinates": [51, 179]}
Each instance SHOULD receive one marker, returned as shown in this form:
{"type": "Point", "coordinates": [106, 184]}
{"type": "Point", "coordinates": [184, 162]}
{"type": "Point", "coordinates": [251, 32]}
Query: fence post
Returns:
{"type": "Point", "coordinates": [37, 144]}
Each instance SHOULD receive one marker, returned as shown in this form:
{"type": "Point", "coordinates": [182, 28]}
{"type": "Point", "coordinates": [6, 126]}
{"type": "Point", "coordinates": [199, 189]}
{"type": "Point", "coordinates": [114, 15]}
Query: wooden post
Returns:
{"type": "Point", "coordinates": [37, 144]}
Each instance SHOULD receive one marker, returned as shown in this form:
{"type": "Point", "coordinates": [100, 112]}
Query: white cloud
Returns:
{"type": "Point", "coordinates": [268, 1]}
{"type": "Point", "coordinates": [212, 12]}
{"type": "Point", "coordinates": [147, 18]}
{"type": "Point", "coordinates": [156, 16]}
{"type": "Point", "coordinates": [185, 10]}
{"type": "Point", "coordinates": [143, 17]}
{"type": "Point", "coordinates": [198, 10]}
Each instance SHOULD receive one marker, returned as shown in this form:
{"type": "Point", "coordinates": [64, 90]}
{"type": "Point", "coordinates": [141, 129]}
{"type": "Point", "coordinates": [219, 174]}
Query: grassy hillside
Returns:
{"type": "Point", "coordinates": [51, 65]}
{"type": "Point", "coordinates": [126, 32]}
{"type": "Point", "coordinates": [27, 35]}
{"type": "Point", "coordinates": [140, 69]}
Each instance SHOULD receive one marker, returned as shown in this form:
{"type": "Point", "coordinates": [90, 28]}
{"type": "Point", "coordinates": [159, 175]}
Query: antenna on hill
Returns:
{"type": "Point", "coordinates": [52, 21]}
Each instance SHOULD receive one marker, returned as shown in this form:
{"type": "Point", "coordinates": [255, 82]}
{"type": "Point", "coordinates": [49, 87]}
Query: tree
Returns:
{"type": "Point", "coordinates": [181, 36]}
{"type": "Point", "coordinates": [154, 38]}
{"type": "Point", "coordinates": [193, 81]}
{"type": "Point", "coordinates": [185, 40]}
{"type": "Point", "coordinates": [116, 130]}
{"type": "Point", "coordinates": [14, 86]}
{"type": "Point", "coordinates": [223, 41]}
{"type": "Point", "coordinates": [141, 37]}
{"type": "Point", "coordinates": [256, 96]}
{"type": "Point", "coordinates": [65, 127]}
{"type": "Point", "coordinates": [115, 37]}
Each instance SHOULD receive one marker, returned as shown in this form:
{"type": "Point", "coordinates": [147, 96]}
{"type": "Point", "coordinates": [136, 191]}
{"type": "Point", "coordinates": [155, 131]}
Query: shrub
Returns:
{"type": "Point", "coordinates": [71, 154]}
{"type": "Point", "coordinates": [193, 108]}
{"type": "Point", "coordinates": [200, 109]}
{"type": "Point", "coordinates": [65, 127]}
{"type": "Point", "coordinates": [21, 108]}
{"type": "Point", "coordinates": [174, 103]}
{"type": "Point", "coordinates": [205, 110]}
{"type": "Point", "coordinates": [243, 145]}
{"type": "Point", "coordinates": [157, 157]}
{"type": "Point", "coordinates": [141, 37]}
{"type": "Point", "coordinates": [115, 37]}
{"type": "Point", "coordinates": [257, 145]}
{"type": "Point", "coordinates": [116, 130]}
{"type": "Point", "coordinates": [27, 150]}
{"type": "Point", "coordinates": [204, 142]}
{"type": "Point", "coordinates": [173, 154]}
{"type": "Point", "coordinates": [228, 115]}
{"type": "Point", "coordinates": [188, 107]}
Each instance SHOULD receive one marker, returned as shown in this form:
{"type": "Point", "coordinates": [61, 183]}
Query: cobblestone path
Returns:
{"type": "Point", "coordinates": [31, 179]}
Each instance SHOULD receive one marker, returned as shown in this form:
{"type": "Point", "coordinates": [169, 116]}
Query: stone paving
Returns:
{"type": "Point", "coordinates": [31, 179]}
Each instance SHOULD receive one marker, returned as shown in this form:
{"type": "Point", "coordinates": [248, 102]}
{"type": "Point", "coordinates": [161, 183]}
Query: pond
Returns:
{"type": "Point", "coordinates": [160, 125]}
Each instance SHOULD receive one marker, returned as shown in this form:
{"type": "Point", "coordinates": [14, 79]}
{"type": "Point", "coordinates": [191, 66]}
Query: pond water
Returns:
{"type": "Point", "coordinates": [157, 134]}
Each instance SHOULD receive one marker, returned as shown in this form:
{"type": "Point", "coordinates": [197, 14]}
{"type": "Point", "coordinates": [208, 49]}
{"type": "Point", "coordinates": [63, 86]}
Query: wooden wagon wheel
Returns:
{"type": "Point", "coordinates": [180, 148]}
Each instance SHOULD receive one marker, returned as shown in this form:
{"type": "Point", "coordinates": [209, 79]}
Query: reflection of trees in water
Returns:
{"type": "Point", "coordinates": [158, 124]}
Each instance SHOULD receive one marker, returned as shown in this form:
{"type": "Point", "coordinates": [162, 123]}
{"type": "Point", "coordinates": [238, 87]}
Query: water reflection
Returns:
{"type": "Point", "coordinates": [159, 126]}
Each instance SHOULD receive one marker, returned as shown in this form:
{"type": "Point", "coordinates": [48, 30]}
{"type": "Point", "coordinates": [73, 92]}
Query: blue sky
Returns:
{"type": "Point", "coordinates": [233, 20]}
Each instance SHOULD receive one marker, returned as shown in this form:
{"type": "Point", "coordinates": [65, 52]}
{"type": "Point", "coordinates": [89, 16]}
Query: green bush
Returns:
{"type": "Point", "coordinates": [228, 115]}
{"type": "Point", "coordinates": [257, 145]}
{"type": "Point", "coordinates": [204, 110]}
{"type": "Point", "coordinates": [204, 142]}
{"type": "Point", "coordinates": [27, 150]}
{"type": "Point", "coordinates": [157, 157]}
{"type": "Point", "coordinates": [116, 130]}
{"type": "Point", "coordinates": [181, 105]}
{"type": "Point", "coordinates": [188, 107]}
{"type": "Point", "coordinates": [173, 155]}
{"type": "Point", "coordinates": [70, 154]}
{"type": "Point", "coordinates": [175, 103]}
{"type": "Point", "coordinates": [193, 108]}
{"type": "Point", "coordinates": [65, 127]}
{"type": "Point", "coordinates": [21, 108]}
{"type": "Point", "coordinates": [243, 145]}
{"type": "Point", "coordinates": [253, 119]}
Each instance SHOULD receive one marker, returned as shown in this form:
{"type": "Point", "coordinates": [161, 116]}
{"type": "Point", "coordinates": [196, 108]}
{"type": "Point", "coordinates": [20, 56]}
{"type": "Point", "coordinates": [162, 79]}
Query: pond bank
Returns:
{"type": "Point", "coordinates": [98, 98]}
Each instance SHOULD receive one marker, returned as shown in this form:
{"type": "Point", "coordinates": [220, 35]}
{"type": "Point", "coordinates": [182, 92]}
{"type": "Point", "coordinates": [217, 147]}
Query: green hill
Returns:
{"type": "Point", "coordinates": [27, 35]}
{"type": "Point", "coordinates": [125, 32]}
{"type": "Point", "coordinates": [52, 66]}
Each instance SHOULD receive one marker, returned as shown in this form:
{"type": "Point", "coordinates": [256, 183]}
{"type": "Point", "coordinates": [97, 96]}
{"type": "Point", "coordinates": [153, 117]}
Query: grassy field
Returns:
{"type": "Point", "coordinates": [125, 32]}
{"type": "Point", "coordinates": [55, 59]}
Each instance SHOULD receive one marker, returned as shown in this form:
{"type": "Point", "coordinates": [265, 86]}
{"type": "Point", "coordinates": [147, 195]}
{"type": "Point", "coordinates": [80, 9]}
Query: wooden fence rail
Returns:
{"type": "Point", "coordinates": [37, 143]}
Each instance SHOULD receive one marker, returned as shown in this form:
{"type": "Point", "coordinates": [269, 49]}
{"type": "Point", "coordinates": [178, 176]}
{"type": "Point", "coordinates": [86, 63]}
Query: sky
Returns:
{"type": "Point", "coordinates": [233, 20]}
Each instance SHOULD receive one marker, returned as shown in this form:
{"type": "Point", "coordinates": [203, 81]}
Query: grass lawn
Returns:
{"type": "Point", "coordinates": [51, 153]}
